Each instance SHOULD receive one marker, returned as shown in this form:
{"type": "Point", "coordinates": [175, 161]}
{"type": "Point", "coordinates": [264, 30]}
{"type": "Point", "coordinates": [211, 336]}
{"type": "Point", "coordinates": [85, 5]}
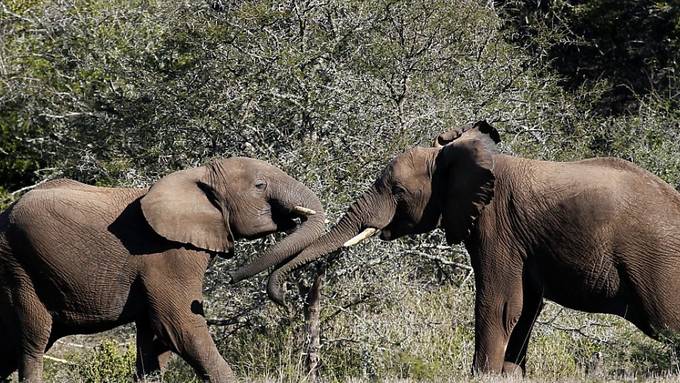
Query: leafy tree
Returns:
{"type": "Point", "coordinates": [122, 92]}
{"type": "Point", "coordinates": [630, 46]}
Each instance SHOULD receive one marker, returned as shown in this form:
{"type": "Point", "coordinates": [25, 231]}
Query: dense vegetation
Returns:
{"type": "Point", "coordinates": [120, 92]}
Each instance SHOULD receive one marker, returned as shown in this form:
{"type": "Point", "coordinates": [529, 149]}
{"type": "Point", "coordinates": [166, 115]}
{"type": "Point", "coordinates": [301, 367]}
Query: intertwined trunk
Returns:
{"type": "Point", "coordinates": [287, 196]}
{"type": "Point", "coordinates": [372, 209]}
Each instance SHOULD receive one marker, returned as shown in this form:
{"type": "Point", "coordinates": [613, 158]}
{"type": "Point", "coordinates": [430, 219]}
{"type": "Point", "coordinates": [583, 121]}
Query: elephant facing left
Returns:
{"type": "Point", "coordinates": [79, 259]}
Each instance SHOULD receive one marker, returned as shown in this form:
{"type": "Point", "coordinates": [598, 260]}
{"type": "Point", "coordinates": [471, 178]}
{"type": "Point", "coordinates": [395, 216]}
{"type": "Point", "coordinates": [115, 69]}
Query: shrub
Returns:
{"type": "Point", "coordinates": [108, 363]}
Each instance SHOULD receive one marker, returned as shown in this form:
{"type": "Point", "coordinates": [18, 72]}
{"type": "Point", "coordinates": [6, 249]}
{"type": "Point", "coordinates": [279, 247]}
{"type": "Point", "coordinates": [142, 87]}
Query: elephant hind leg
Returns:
{"type": "Point", "coordinates": [9, 359]}
{"type": "Point", "coordinates": [35, 324]}
{"type": "Point", "coordinates": [9, 337]}
{"type": "Point", "coordinates": [152, 353]}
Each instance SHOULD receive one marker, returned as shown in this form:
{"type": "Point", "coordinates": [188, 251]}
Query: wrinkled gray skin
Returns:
{"type": "Point", "coordinates": [599, 235]}
{"type": "Point", "coordinates": [78, 259]}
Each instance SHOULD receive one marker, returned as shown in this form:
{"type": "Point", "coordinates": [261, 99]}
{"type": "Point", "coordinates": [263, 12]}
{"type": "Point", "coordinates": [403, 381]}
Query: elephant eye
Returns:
{"type": "Point", "coordinates": [398, 190]}
{"type": "Point", "coordinates": [260, 185]}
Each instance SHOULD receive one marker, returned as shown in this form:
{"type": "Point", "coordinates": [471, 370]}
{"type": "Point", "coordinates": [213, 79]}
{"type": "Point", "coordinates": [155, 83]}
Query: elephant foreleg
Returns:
{"type": "Point", "coordinates": [181, 326]}
{"type": "Point", "coordinates": [190, 338]}
{"type": "Point", "coordinates": [515, 355]}
{"type": "Point", "coordinates": [498, 307]}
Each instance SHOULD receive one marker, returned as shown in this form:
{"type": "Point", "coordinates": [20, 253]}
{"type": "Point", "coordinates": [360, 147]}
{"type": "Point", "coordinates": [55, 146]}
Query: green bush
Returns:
{"type": "Point", "coordinates": [119, 93]}
{"type": "Point", "coordinates": [108, 363]}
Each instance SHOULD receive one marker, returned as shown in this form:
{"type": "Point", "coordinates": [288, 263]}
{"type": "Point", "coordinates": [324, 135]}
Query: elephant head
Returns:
{"type": "Point", "coordinates": [448, 184]}
{"type": "Point", "coordinates": [209, 207]}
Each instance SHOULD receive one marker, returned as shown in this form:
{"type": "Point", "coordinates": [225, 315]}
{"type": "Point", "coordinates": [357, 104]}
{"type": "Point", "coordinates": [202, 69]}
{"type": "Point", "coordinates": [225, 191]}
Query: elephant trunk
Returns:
{"type": "Point", "coordinates": [369, 211]}
{"type": "Point", "coordinates": [292, 200]}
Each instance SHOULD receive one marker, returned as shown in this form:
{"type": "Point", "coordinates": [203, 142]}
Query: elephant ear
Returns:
{"type": "Point", "coordinates": [182, 208]}
{"type": "Point", "coordinates": [479, 129]}
{"type": "Point", "coordinates": [468, 185]}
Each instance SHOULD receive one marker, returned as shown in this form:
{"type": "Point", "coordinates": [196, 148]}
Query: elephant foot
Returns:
{"type": "Point", "coordinates": [512, 369]}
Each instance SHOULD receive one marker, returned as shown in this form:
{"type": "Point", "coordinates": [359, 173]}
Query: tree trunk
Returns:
{"type": "Point", "coordinates": [313, 327]}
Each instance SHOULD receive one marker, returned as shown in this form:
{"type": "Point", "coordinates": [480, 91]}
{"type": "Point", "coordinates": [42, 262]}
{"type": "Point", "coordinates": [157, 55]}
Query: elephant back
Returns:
{"type": "Point", "coordinates": [66, 199]}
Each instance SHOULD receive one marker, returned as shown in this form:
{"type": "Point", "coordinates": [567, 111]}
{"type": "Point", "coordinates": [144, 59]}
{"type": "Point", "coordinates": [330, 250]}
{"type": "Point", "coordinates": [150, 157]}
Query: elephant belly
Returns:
{"type": "Point", "coordinates": [72, 323]}
{"type": "Point", "coordinates": [642, 288]}
{"type": "Point", "coordinates": [88, 308]}
{"type": "Point", "coordinates": [96, 291]}
{"type": "Point", "coordinates": [596, 289]}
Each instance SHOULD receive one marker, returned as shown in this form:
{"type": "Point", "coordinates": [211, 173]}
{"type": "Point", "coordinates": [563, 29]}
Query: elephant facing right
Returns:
{"type": "Point", "coordinates": [600, 235]}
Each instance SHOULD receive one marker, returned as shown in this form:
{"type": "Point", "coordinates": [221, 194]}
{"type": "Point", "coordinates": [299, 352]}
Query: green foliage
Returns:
{"type": "Point", "coordinates": [5, 198]}
{"type": "Point", "coordinates": [179, 371]}
{"type": "Point", "coordinates": [19, 154]}
{"type": "Point", "coordinates": [267, 349]}
{"type": "Point", "coordinates": [632, 42]}
{"type": "Point", "coordinates": [107, 364]}
{"type": "Point", "coordinates": [630, 45]}
{"type": "Point", "coordinates": [119, 93]}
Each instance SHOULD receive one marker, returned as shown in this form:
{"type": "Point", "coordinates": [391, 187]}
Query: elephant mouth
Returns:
{"type": "Point", "coordinates": [390, 234]}
{"type": "Point", "coordinates": [386, 234]}
{"type": "Point", "coordinates": [399, 228]}
{"type": "Point", "coordinates": [393, 230]}
{"type": "Point", "coordinates": [283, 220]}
{"type": "Point", "coordinates": [262, 231]}
{"type": "Point", "coordinates": [286, 225]}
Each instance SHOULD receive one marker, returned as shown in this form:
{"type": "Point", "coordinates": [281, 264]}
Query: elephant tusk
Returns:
{"type": "Point", "coordinates": [303, 210]}
{"type": "Point", "coordinates": [367, 233]}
